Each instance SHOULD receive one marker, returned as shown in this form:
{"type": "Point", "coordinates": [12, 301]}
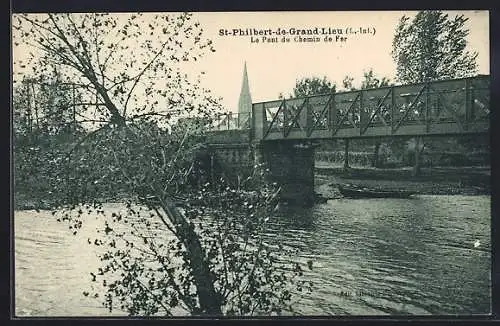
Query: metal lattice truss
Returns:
{"type": "Point", "coordinates": [441, 107]}
{"type": "Point", "coordinates": [231, 121]}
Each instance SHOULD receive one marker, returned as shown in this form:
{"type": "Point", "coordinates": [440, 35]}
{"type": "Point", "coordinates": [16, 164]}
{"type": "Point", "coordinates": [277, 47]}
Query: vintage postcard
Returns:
{"type": "Point", "coordinates": [332, 163]}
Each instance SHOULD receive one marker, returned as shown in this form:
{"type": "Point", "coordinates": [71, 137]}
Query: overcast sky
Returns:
{"type": "Point", "coordinates": [274, 67]}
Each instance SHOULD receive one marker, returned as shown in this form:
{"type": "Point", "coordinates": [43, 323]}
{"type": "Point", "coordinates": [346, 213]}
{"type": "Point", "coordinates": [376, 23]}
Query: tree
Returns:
{"type": "Point", "coordinates": [44, 128]}
{"type": "Point", "coordinates": [128, 67]}
{"type": "Point", "coordinates": [370, 80]}
{"type": "Point", "coordinates": [47, 106]}
{"type": "Point", "coordinates": [126, 86]}
{"type": "Point", "coordinates": [347, 83]}
{"type": "Point", "coordinates": [309, 86]}
{"type": "Point", "coordinates": [431, 46]}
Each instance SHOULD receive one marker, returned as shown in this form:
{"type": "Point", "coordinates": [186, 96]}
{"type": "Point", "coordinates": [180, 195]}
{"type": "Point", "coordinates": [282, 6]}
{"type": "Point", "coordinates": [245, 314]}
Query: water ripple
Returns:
{"type": "Point", "coordinates": [429, 255]}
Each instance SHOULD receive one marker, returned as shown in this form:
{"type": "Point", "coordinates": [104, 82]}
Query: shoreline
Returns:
{"type": "Point", "coordinates": [468, 181]}
{"type": "Point", "coordinates": [435, 181]}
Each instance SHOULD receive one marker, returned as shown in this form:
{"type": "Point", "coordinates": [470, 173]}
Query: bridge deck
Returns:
{"type": "Point", "coordinates": [447, 107]}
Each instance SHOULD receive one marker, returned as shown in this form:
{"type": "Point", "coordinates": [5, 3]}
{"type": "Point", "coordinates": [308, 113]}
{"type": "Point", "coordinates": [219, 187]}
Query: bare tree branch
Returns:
{"type": "Point", "coordinates": [138, 77]}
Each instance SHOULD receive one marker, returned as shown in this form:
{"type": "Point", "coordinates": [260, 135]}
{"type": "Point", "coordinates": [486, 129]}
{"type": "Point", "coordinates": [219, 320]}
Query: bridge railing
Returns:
{"type": "Point", "coordinates": [231, 121]}
{"type": "Point", "coordinates": [457, 103]}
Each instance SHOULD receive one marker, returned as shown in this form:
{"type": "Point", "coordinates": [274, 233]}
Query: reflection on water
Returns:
{"type": "Point", "coordinates": [391, 256]}
{"type": "Point", "coordinates": [52, 267]}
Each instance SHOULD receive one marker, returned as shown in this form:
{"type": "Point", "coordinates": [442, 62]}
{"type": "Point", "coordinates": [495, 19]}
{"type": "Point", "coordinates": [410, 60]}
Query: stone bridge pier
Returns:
{"type": "Point", "coordinates": [290, 163]}
{"type": "Point", "coordinates": [291, 166]}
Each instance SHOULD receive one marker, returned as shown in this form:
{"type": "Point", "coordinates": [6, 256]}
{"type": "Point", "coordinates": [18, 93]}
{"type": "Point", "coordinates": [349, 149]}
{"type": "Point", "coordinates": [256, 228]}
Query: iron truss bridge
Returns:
{"type": "Point", "coordinates": [447, 107]}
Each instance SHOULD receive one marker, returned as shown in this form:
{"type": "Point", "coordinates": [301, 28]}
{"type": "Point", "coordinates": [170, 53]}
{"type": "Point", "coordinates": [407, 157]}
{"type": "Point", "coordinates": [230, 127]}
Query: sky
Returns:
{"type": "Point", "coordinates": [273, 68]}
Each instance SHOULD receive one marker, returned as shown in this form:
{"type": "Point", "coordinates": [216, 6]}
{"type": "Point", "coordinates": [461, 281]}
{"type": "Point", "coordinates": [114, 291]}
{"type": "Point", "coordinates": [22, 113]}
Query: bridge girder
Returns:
{"type": "Point", "coordinates": [448, 107]}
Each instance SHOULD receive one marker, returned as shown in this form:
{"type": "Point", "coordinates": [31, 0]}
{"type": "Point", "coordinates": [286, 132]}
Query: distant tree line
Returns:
{"type": "Point", "coordinates": [429, 47]}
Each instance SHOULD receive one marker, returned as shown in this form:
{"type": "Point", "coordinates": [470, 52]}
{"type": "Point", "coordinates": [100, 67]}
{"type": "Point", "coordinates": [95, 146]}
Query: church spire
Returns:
{"type": "Point", "coordinates": [245, 101]}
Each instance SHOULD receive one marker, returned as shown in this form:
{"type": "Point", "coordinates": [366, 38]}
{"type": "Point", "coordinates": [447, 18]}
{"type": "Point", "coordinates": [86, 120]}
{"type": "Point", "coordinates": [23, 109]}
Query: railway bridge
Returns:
{"type": "Point", "coordinates": [282, 133]}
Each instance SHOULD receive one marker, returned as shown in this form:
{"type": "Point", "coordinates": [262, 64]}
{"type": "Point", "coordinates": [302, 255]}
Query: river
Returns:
{"type": "Point", "coordinates": [419, 256]}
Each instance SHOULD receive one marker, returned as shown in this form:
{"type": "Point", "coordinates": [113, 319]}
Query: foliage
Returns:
{"type": "Point", "coordinates": [144, 143]}
{"type": "Point", "coordinates": [44, 107]}
{"type": "Point", "coordinates": [432, 46]}
{"type": "Point", "coordinates": [309, 86]}
{"type": "Point", "coordinates": [130, 63]}
{"type": "Point", "coordinates": [347, 83]}
{"type": "Point", "coordinates": [44, 130]}
{"type": "Point", "coordinates": [355, 158]}
{"type": "Point", "coordinates": [146, 270]}
{"type": "Point", "coordinates": [370, 80]}
{"type": "Point", "coordinates": [153, 255]}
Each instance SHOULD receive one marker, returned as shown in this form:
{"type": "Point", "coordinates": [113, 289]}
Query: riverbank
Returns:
{"type": "Point", "coordinates": [26, 202]}
{"type": "Point", "coordinates": [431, 181]}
